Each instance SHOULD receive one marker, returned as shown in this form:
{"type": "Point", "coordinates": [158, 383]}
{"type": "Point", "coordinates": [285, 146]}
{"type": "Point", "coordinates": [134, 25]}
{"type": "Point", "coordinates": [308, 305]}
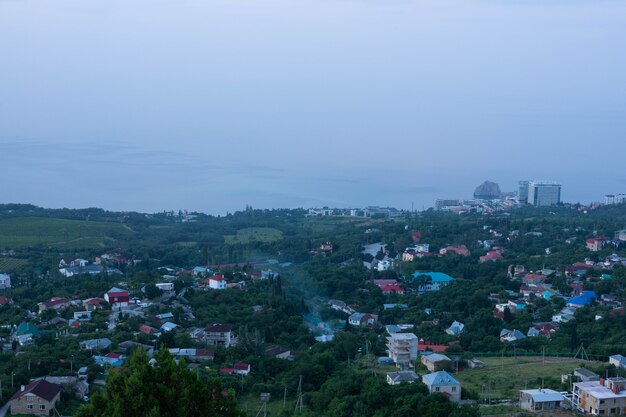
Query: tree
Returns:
{"type": "Point", "coordinates": [161, 389]}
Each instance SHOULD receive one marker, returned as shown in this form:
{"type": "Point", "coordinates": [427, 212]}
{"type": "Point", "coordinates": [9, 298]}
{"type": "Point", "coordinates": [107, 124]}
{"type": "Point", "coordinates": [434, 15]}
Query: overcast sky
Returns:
{"type": "Point", "coordinates": [211, 105]}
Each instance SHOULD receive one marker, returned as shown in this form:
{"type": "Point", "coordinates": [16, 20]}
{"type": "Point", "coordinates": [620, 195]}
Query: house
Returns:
{"type": "Point", "coordinates": [192, 354]}
{"type": "Point", "coordinates": [278, 353]}
{"type": "Point", "coordinates": [242, 369]}
{"type": "Point", "coordinates": [436, 362]}
{"type": "Point", "coordinates": [384, 265]}
{"type": "Point", "coordinates": [216, 282]}
{"type": "Point", "coordinates": [5, 301]}
{"type": "Point", "coordinates": [391, 289]}
{"type": "Point", "coordinates": [585, 375]}
{"type": "Point", "coordinates": [165, 316]}
{"type": "Point", "coordinates": [98, 344]}
{"type": "Point", "coordinates": [490, 257]}
{"type": "Point", "coordinates": [582, 300]}
{"type": "Point", "coordinates": [402, 348]}
{"type": "Point", "coordinates": [168, 326]}
{"type": "Point", "coordinates": [507, 335]}
{"type": "Point", "coordinates": [92, 304]}
{"type": "Point", "coordinates": [396, 378]}
{"type": "Point", "coordinates": [457, 249]}
{"type": "Point", "coordinates": [201, 271]}
{"type": "Point", "coordinates": [538, 400]}
{"type": "Point", "coordinates": [82, 315]}
{"type": "Point", "coordinates": [339, 305]}
{"type": "Point", "coordinates": [595, 244]}
{"type": "Point", "coordinates": [145, 329]}
{"type": "Point", "coordinates": [604, 397]}
{"type": "Point", "coordinates": [618, 361]}
{"type": "Point", "coordinates": [475, 363]}
{"type": "Point", "coordinates": [433, 281]}
{"type": "Point", "coordinates": [546, 329]}
{"type": "Point", "coordinates": [427, 346]}
{"type": "Point", "coordinates": [5, 281]}
{"type": "Point", "coordinates": [117, 298]}
{"type": "Point", "coordinates": [534, 279]}
{"type": "Point", "coordinates": [55, 303]}
{"type": "Point", "coordinates": [219, 334]}
{"type": "Point", "coordinates": [392, 306]}
{"type": "Point", "coordinates": [455, 329]}
{"type": "Point", "coordinates": [620, 235]}
{"type": "Point", "coordinates": [165, 286]}
{"type": "Point", "coordinates": [443, 383]}
{"type": "Point", "coordinates": [362, 319]}
{"type": "Point", "coordinates": [37, 398]}
{"type": "Point", "coordinates": [110, 359]}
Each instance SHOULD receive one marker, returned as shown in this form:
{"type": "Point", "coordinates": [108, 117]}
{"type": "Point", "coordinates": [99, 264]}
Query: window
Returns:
{"type": "Point", "coordinates": [29, 406]}
{"type": "Point", "coordinates": [42, 406]}
{"type": "Point", "coordinates": [453, 389]}
{"type": "Point", "coordinates": [436, 389]}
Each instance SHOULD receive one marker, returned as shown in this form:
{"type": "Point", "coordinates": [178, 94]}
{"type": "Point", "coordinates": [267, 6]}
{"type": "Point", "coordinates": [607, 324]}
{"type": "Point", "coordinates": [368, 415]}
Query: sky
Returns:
{"type": "Point", "coordinates": [212, 105]}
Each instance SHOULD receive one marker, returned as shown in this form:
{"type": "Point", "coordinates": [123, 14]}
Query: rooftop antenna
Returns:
{"type": "Point", "coordinates": [299, 405]}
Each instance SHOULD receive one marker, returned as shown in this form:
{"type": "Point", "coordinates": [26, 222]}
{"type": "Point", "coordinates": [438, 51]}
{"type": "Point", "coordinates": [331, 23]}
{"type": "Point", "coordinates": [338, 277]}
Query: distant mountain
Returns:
{"type": "Point", "coordinates": [487, 191]}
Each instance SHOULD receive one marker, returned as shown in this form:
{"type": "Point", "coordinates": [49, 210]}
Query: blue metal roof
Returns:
{"type": "Point", "coordinates": [435, 276]}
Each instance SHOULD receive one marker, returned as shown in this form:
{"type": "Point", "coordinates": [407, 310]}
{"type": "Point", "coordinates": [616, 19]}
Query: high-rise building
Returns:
{"type": "Point", "coordinates": [544, 193]}
{"type": "Point", "coordinates": [522, 192]}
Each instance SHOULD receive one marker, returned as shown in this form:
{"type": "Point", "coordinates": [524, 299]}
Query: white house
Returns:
{"type": "Point", "coordinates": [5, 281]}
{"type": "Point", "coordinates": [402, 348]}
{"type": "Point", "coordinates": [618, 361]}
{"type": "Point", "coordinates": [396, 378]}
{"type": "Point", "coordinates": [217, 282]}
{"type": "Point", "coordinates": [165, 286]}
{"type": "Point", "coordinates": [538, 400]}
{"type": "Point", "coordinates": [443, 383]}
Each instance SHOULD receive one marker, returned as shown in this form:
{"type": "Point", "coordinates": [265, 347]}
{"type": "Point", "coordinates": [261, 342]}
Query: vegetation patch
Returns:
{"type": "Point", "coordinates": [254, 234]}
{"type": "Point", "coordinates": [503, 378]}
{"type": "Point", "coordinates": [32, 231]}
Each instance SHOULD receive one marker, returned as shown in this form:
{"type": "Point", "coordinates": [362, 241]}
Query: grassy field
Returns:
{"type": "Point", "coordinates": [506, 377]}
{"type": "Point", "coordinates": [30, 231]}
{"type": "Point", "coordinates": [251, 404]}
{"type": "Point", "coordinates": [257, 234]}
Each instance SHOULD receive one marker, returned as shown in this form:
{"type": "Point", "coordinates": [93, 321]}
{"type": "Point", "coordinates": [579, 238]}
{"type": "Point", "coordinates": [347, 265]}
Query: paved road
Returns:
{"type": "Point", "coordinates": [5, 409]}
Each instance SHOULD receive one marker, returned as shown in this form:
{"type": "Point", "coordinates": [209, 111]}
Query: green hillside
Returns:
{"type": "Point", "coordinates": [31, 231]}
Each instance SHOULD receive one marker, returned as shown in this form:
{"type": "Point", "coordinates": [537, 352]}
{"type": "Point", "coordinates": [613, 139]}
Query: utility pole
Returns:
{"type": "Point", "coordinates": [285, 397]}
{"type": "Point", "coordinates": [299, 404]}
{"type": "Point", "coordinates": [543, 355]}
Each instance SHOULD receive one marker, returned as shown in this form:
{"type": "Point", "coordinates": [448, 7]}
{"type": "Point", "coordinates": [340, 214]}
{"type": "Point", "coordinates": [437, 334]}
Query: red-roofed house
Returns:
{"type": "Point", "coordinates": [534, 279]}
{"type": "Point", "coordinates": [458, 249]}
{"type": "Point", "coordinates": [92, 304]}
{"type": "Point", "coordinates": [5, 300]}
{"type": "Point", "coordinates": [145, 329]}
{"type": "Point", "coordinates": [217, 282]}
{"type": "Point", "coordinates": [36, 398]}
{"type": "Point", "coordinates": [55, 303]}
{"type": "Point", "coordinates": [595, 244]}
{"type": "Point", "coordinates": [391, 289]}
{"type": "Point", "coordinates": [491, 256]}
{"type": "Point", "coordinates": [426, 345]}
{"type": "Point", "coordinates": [242, 368]}
{"type": "Point", "coordinates": [117, 298]}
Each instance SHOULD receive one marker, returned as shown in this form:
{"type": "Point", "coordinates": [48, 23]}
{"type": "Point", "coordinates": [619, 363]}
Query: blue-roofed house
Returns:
{"type": "Point", "coordinates": [435, 281]}
{"type": "Point", "coordinates": [618, 361]}
{"type": "Point", "coordinates": [582, 300]}
{"type": "Point", "coordinates": [507, 335]}
{"type": "Point", "coordinates": [168, 326]}
{"type": "Point", "coordinates": [110, 360]}
{"type": "Point", "coordinates": [443, 383]}
{"type": "Point", "coordinates": [455, 329]}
